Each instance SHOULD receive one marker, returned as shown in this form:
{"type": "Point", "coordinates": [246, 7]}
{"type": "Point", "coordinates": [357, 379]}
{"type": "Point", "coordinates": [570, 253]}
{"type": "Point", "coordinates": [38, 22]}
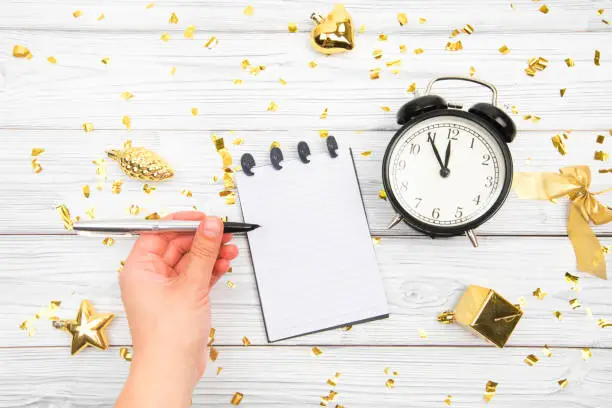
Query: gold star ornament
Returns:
{"type": "Point", "coordinates": [87, 329]}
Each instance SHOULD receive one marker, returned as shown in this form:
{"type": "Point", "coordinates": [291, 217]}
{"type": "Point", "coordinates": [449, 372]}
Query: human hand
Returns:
{"type": "Point", "coordinates": [165, 287]}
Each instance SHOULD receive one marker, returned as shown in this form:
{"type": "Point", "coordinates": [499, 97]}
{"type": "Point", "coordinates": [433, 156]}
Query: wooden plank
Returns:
{"type": "Point", "coordinates": [81, 89]}
{"type": "Point", "coordinates": [289, 376]}
{"type": "Point", "coordinates": [422, 278]}
{"type": "Point", "coordinates": [29, 199]}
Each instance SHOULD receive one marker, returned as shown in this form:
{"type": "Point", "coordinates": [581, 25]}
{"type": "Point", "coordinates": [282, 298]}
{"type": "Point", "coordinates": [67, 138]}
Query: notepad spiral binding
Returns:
{"type": "Point", "coordinates": [247, 161]}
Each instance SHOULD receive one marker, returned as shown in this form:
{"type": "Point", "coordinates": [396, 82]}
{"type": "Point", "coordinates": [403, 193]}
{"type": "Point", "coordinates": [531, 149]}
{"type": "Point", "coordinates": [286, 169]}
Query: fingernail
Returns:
{"type": "Point", "coordinates": [211, 227]}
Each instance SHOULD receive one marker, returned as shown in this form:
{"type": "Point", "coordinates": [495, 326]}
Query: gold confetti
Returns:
{"type": "Point", "coordinates": [173, 19]}
{"type": "Point", "coordinates": [559, 144]}
{"type": "Point", "coordinates": [448, 400]}
{"type": "Point", "coordinates": [347, 328]}
{"type": "Point", "coordinates": [472, 71]}
{"type": "Point", "coordinates": [323, 114]}
{"type": "Point", "coordinates": [211, 43]}
{"type": "Point", "coordinates": [86, 190]}
{"type": "Point", "coordinates": [569, 62]}
{"type": "Point", "coordinates": [77, 13]}
{"type": "Point", "coordinates": [586, 353]}
{"type": "Point", "coordinates": [213, 354]}
{"type": "Point", "coordinates": [544, 9]}
{"type": "Point", "coordinates": [382, 194]}
{"type": "Point", "coordinates": [390, 383]}
{"type": "Point", "coordinates": [422, 333]}
{"type": "Point", "coordinates": [376, 240]}
{"type": "Point", "coordinates": [105, 60]}
{"type": "Point", "coordinates": [490, 389]}
{"type": "Point", "coordinates": [468, 29]}
{"type": "Point", "coordinates": [194, 111]}
{"type": "Point", "coordinates": [19, 51]}
{"type": "Point", "coordinates": [367, 153]}
{"type": "Point", "coordinates": [562, 383]}
{"type": "Point", "coordinates": [249, 10]}
{"type": "Point", "coordinates": [150, 5]}
{"type": "Point", "coordinates": [600, 155]}
{"type": "Point", "coordinates": [292, 27]}
{"type": "Point", "coordinates": [230, 284]}
{"type": "Point", "coordinates": [606, 22]}
{"type": "Point", "coordinates": [504, 50]}
{"type": "Point", "coordinates": [36, 151]}
{"type": "Point", "coordinates": [238, 142]}
{"type": "Point", "coordinates": [403, 48]}
{"type": "Point", "coordinates": [134, 209]}
{"type": "Point", "coordinates": [64, 213]}
{"type": "Point", "coordinates": [575, 303]}
{"type": "Point", "coordinates": [412, 88]}
{"type": "Point", "coordinates": [148, 188]}
{"type": "Point", "coordinates": [219, 369]}
{"type": "Point", "coordinates": [237, 81]}
{"type": "Point", "coordinates": [546, 351]}
{"type": "Point", "coordinates": [446, 317]}
{"type": "Point", "coordinates": [597, 57]}
{"type": "Point", "coordinates": [125, 354]}
{"type": "Point", "coordinates": [603, 323]}
{"type": "Point", "coordinates": [377, 53]}
{"type": "Point", "coordinates": [522, 302]}
{"type": "Point", "coordinates": [127, 122]}
{"type": "Point", "coordinates": [173, 71]}
{"type": "Point", "coordinates": [282, 81]}
{"type": "Point", "coordinates": [228, 181]}
{"type": "Point", "coordinates": [455, 33]}
{"type": "Point", "coordinates": [562, 92]}
{"type": "Point", "coordinates": [539, 293]}
{"type": "Point", "coordinates": [454, 46]}
{"type": "Point", "coordinates": [394, 63]}
{"type": "Point", "coordinates": [323, 133]}
{"type": "Point", "coordinates": [558, 315]}
{"type": "Point", "coordinates": [312, 64]}
{"type": "Point", "coordinates": [126, 96]}
{"type": "Point", "coordinates": [91, 212]}
{"type": "Point", "coordinates": [108, 241]}
{"type": "Point", "coordinates": [186, 192]}
{"type": "Point", "coordinates": [88, 127]}
{"type": "Point", "coordinates": [422, 20]}
{"type": "Point", "coordinates": [382, 37]}
{"type": "Point", "coordinates": [600, 139]}
{"type": "Point", "coordinates": [531, 359]}
{"type": "Point", "coordinates": [272, 107]}
{"type": "Point", "coordinates": [52, 60]}
{"type": "Point", "coordinates": [600, 11]}
{"type": "Point", "coordinates": [153, 216]}
{"type": "Point", "coordinates": [245, 64]}
{"type": "Point", "coordinates": [117, 186]}
{"type": "Point", "coordinates": [316, 351]}
{"type": "Point", "coordinates": [189, 31]}
{"type": "Point", "coordinates": [245, 341]}
{"type": "Point", "coordinates": [237, 398]}
{"type": "Point", "coordinates": [571, 279]}
{"type": "Point", "coordinates": [515, 110]}
{"type": "Point", "coordinates": [402, 19]}
{"type": "Point", "coordinates": [418, 51]}
{"type": "Point", "coordinates": [36, 167]}
{"type": "Point", "coordinates": [231, 199]}
{"type": "Point", "coordinates": [101, 17]}
{"type": "Point", "coordinates": [165, 37]}
{"type": "Point", "coordinates": [362, 29]}
{"type": "Point", "coordinates": [375, 73]}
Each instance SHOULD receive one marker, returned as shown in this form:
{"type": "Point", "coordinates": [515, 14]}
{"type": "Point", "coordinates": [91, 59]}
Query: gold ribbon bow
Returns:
{"type": "Point", "coordinates": [574, 182]}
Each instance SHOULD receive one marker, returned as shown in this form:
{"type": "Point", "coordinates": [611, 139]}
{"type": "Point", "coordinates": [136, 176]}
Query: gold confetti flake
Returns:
{"type": "Point", "coordinates": [237, 398]}
{"type": "Point", "coordinates": [213, 354]}
{"type": "Point", "coordinates": [382, 194]}
{"type": "Point", "coordinates": [504, 50]}
{"type": "Point", "coordinates": [189, 31]}
{"type": "Point", "coordinates": [126, 96]}
{"type": "Point", "coordinates": [539, 293]}
{"type": "Point", "coordinates": [228, 181]}
{"type": "Point", "coordinates": [292, 27]}
{"type": "Point", "coordinates": [570, 62]}
{"type": "Point", "coordinates": [238, 141]}
{"type": "Point", "coordinates": [558, 315]}
{"type": "Point", "coordinates": [219, 369]}
{"type": "Point", "coordinates": [249, 10]}
{"type": "Point", "coordinates": [412, 88]}
{"type": "Point", "coordinates": [323, 114]}
{"type": "Point", "coordinates": [600, 11]}
{"type": "Point", "coordinates": [597, 57]}
{"type": "Point", "coordinates": [394, 63]}
{"type": "Point", "coordinates": [403, 48]}
{"type": "Point", "coordinates": [148, 188]}
{"type": "Point", "coordinates": [422, 333]}
{"type": "Point", "coordinates": [117, 186]}
{"type": "Point", "coordinates": [77, 13]}
{"type": "Point", "coordinates": [600, 155]}
{"type": "Point", "coordinates": [108, 241]}
{"type": "Point", "coordinates": [19, 51]}
{"type": "Point", "coordinates": [544, 9]}
{"type": "Point", "coordinates": [362, 29]}
{"type": "Point", "coordinates": [36, 151]}
{"type": "Point", "coordinates": [237, 81]}
{"type": "Point", "coordinates": [606, 22]}
{"type": "Point", "coordinates": [490, 389]}
{"type": "Point", "coordinates": [382, 37]}
{"type": "Point", "coordinates": [468, 29]}
{"type": "Point", "coordinates": [455, 33]}
{"type": "Point", "coordinates": [245, 341]}
{"type": "Point", "coordinates": [173, 19]}
{"type": "Point", "coordinates": [600, 139]}
{"type": "Point", "coordinates": [231, 199]}
{"type": "Point", "coordinates": [282, 81]}
{"type": "Point", "coordinates": [586, 353]}
{"type": "Point", "coordinates": [367, 153]}
{"type": "Point", "coordinates": [377, 53]}
{"type": "Point", "coordinates": [173, 71]}
{"type": "Point", "coordinates": [390, 383]}
{"type": "Point", "coordinates": [347, 328]}
{"type": "Point", "coordinates": [127, 122]}
{"type": "Point", "coordinates": [375, 73]}
{"type": "Point", "coordinates": [211, 43]}
{"type": "Point", "coordinates": [531, 360]}
{"type": "Point", "coordinates": [559, 144]}
{"type": "Point", "coordinates": [312, 64]}
{"type": "Point", "coordinates": [150, 6]}
{"type": "Point", "coordinates": [522, 302]}
{"type": "Point", "coordinates": [194, 111]}
{"type": "Point", "coordinates": [316, 351]}
{"type": "Point", "coordinates": [402, 19]}
{"type": "Point", "coordinates": [562, 92]}
{"type": "Point", "coordinates": [165, 37]}
{"type": "Point", "coordinates": [323, 133]}
{"type": "Point", "coordinates": [514, 110]}
{"type": "Point", "coordinates": [64, 213]}
{"type": "Point", "coordinates": [575, 303]}
{"type": "Point", "coordinates": [546, 351]}
{"type": "Point", "coordinates": [52, 60]}
{"type": "Point", "coordinates": [472, 71]}
{"type": "Point", "coordinates": [448, 400]}
{"type": "Point", "coordinates": [603, 323]}
{"type": "Point", "coordinates": [153, 216]}
{"type": "Point", "coordinates": [571, 279]}
{"type": "Point", "coordinates": [245, 64]}
{"type": "Point", "coordinates": [88, 127]}
{"type": "Point", "coordinates": [36, 167]}
{"type": "Point", "coordinates": [272, 107]}
{"type": "Point", "coordinates": [134, 209]}
{"type": "Point", "coordinates": [91, 212]}
{"type": "Point", "coordinates": [86, 190]}
{"type": "Point", "coordinates": [375, 240]}
{"type": "Point", "coordinates": [105, 60]}
{"type": "Point", "coordinates": [101, 17]}
{"type": "Point", "coordinates": [418, 51]}
{"type": "Point", "coordinates": [125, 354]}
{"type": "Point", "coordinates": [446, 317]}
{"type": "Point", "coordinates": [422, 20]}
{"type": "Point", "coordinates": [186, 192]}
{"type": "Point", "coordinates": [454, 46]}
{"type": "Point", "coordinates": [230, 284]}
{"type": "Point", "coordinates": [563, 383]}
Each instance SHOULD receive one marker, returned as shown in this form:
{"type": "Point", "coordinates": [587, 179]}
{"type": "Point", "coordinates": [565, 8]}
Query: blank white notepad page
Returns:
{"type": "Point", "coordinates": [313, 256]}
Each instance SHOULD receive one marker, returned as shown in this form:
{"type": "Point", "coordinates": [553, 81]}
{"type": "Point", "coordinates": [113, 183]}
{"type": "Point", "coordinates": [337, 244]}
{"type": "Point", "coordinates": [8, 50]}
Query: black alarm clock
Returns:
{"type": "Point", "coordinates": [447, 170]}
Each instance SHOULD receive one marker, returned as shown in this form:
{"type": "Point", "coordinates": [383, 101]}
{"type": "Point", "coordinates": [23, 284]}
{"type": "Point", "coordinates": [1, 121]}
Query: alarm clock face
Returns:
{"type": "Point", "coordinates": [447, 172]}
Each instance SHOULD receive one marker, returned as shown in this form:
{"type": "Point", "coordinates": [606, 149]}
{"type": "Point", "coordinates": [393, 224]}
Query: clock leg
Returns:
{"type": "Point", "coordinates": [472, 237]}
{"type": "Point", "coordinates": [396, 220]}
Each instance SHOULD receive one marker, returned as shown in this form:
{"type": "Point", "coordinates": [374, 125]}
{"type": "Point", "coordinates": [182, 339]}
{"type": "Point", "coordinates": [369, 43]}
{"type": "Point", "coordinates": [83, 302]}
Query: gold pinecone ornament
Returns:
{"type": "Point", "coordinates": [142, 164]}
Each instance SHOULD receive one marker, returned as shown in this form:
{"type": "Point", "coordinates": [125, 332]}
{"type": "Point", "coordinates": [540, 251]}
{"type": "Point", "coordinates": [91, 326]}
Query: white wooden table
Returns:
{"type": "Point", "coordinates": [523, 248]}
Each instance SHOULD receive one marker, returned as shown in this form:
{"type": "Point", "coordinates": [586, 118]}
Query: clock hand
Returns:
{"type": "Point", "coordinates": [447, 157]}
{"type": "Point", "coordinates": [443, 170]}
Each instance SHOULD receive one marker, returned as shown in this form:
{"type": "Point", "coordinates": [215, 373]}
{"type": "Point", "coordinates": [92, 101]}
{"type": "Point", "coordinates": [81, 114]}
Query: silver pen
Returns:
{"type": "Point", "coordinates": [135, 227]}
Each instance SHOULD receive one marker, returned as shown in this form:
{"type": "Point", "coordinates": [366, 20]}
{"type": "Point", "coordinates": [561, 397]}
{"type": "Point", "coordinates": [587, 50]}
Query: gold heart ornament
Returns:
{"type": "Point", "coordinates": [335, 33]}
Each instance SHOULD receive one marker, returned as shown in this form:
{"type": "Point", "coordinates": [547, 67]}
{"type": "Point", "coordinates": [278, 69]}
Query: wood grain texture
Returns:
{"type": "Point", "coordinates": [275, 377]}
{"type": "Point", "coordinates": [422, 277]}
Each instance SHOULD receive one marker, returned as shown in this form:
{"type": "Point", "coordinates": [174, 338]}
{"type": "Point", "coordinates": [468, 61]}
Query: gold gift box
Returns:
{"type": "Point", "coordinates": [487, 313]}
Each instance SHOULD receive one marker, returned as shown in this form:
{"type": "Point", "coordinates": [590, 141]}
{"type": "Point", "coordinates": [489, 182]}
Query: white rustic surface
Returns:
{"type": "Point", "coordinates": [524, 247]}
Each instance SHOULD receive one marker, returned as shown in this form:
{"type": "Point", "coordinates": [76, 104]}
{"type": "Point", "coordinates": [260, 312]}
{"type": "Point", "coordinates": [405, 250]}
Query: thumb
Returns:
{"type": "Point", "coordinates": [204, 252]}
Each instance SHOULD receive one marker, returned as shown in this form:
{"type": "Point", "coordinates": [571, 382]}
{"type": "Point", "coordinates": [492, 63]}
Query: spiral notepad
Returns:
{"type": "Point", "coordinates": [314, 260]}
